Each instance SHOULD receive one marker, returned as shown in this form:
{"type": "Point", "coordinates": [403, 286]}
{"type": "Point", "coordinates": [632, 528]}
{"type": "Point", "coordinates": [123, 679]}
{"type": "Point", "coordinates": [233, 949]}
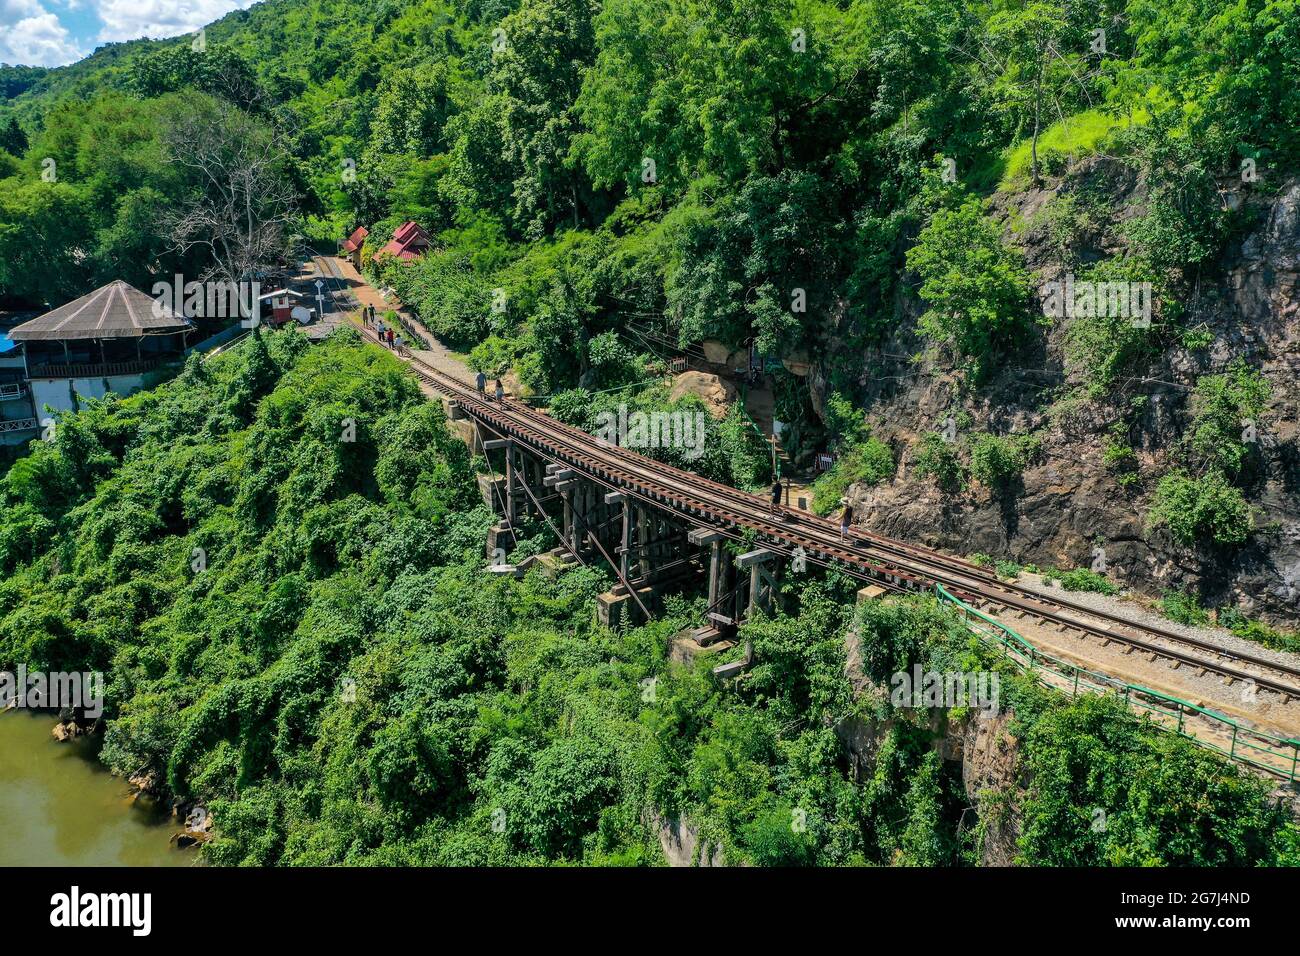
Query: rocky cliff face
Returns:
{"type": "Point", "coordinates": [1068, 503]}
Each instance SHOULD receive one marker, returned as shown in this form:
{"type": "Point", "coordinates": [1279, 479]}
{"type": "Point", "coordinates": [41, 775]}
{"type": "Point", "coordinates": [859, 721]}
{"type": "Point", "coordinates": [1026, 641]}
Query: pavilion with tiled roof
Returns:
{"type": "Point", "coordinates": [115, 311]}
{"type": "Point", "coordinates": [107, 340]}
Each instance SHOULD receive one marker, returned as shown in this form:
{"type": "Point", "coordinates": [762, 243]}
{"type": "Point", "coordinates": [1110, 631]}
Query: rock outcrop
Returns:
{"type": "Point", "coordinates": [1068, 504]}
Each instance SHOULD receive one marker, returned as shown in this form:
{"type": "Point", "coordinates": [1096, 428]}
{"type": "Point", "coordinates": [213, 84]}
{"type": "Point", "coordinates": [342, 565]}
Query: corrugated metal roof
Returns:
{"type": "Point", "coordinates": [355, 240]}
{"type": "Point", "coordinates": [409, 242]}
{"type": "Point", "coordinates": [117, 311]}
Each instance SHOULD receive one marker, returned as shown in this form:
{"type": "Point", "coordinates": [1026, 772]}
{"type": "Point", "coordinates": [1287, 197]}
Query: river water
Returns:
{"type": "Point", "coordinates": [60, 807]}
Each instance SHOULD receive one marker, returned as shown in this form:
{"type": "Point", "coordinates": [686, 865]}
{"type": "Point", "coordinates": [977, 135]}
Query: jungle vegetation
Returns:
{"type": "Point", "coordinates": [277, 560]}
{"type": "Point", "coordinates": [298, 630]}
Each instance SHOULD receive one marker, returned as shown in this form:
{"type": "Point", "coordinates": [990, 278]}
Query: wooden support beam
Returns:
{"type": "Point", "coordinates": [756, 557]}
{"type": "Point", "coordinates": [702, 536]}
{"type": "Point", "coordinates": [615, 498]}
{"type": "Point", "coordinates": [496, 444]}
{"type": "Point", "coordinates": [643, 540]}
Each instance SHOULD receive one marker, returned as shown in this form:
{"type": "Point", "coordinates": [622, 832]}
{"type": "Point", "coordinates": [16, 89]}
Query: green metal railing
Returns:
{"type": "Point", "coordinates": [1276, 755]}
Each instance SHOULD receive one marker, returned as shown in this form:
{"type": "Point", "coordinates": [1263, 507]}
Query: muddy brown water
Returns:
{"type": "Point", "coordinates": [60, 807]}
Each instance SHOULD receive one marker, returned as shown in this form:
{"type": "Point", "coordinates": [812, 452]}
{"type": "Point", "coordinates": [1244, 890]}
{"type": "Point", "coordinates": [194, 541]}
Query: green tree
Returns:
{"type": "Point", "coordinates": [973, 287]}
{"type": "Point", "coordinates": [12, 138]}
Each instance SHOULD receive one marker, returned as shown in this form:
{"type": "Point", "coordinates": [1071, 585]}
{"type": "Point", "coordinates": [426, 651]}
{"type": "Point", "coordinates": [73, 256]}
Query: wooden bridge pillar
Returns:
{"type": "Point", "coordinates": [715, 540]}
{"type": "Point", "coordinates": [643, 542]}
{"type": "Point", "coordinates": [512, 506]}
{"type": "Point", "coordinates": [625, 537]}
{"type": "Point", "coordinates": [762, 583]}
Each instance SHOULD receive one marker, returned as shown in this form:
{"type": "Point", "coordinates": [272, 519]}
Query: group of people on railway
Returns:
{"type": "Point", "coordinates": [386, 333]}
{"type": "Point", "coordinates": [480, 382]}
{"type": "Point", "coordinates": [846, 516]}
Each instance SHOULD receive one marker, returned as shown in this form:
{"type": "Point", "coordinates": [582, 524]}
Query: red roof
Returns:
{"type": "Point", "coordinates": [354, 241]}
{"type": "Point", "coordinates": [409, 242]}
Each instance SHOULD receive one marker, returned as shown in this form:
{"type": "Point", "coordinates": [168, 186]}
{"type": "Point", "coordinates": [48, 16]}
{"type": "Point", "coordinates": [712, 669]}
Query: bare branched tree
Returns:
{"type": "Point", "coordinates": [244, 205]}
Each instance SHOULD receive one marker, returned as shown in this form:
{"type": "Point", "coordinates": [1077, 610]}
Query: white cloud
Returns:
{"type": "Point", "coordinates": [32, 36]}
{"type": "Point", "coordinates": [132, 19]}
{"type": "Point", "coordinates": [11, 11]}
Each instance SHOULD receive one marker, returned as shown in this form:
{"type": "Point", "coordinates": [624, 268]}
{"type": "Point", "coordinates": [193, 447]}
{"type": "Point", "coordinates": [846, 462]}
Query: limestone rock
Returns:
{"type": "Point", "coordinates": [716, 393]}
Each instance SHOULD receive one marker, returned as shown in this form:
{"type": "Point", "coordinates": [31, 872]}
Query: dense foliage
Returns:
{"type": "Point", "coordinates": [276, 558]}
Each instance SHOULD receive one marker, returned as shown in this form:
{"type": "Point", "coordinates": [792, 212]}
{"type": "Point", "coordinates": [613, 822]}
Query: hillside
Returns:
{"type": "Point", "coordinates": [300, 637]}
{"type": "Point", "coordinates": [1029, 273]}
{"type": "Point", "coordinates": [881, 188]}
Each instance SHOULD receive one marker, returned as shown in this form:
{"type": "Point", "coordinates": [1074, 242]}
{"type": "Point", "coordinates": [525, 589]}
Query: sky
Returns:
{"type": "Point", "coordinates": [57, 32]}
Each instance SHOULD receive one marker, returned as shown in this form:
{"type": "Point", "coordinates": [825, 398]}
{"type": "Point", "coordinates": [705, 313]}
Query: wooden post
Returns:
{"type": "Point", "coordinates": [717, 566]}
{"type": "Point", "coordinates": [625, 540]}
{"type": "Point", "coordinates": [510, 482]}
{"type": "Point", "coordinates": [758, 578]}
{"type": "Point", "coordinates": [643, 540]}
{"type": "Point", "coordinates": [567, 495]}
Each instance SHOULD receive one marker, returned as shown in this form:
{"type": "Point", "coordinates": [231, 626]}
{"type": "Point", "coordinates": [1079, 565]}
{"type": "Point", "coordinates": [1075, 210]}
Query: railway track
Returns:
{"type": "Point", "coordinates": [335, 285]}
{"type": "Point", "coordinates": [895, 565]}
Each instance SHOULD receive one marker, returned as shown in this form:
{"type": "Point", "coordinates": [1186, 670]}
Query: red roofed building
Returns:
{"type": "Point", "coordinates": [351, 247]}
{"type": "Point", "coordinates": [409, 242]}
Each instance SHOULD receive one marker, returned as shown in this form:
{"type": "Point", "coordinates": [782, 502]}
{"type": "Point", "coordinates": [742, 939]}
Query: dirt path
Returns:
{"type": "Point", "coordinates": [432, 352]}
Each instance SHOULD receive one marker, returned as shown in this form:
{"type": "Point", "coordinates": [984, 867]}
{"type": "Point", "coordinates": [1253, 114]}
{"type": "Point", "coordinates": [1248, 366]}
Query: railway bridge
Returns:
{"type": "Point", "coordinates": [655, 524]}
{"type": "Point", "coordinates": [658, 527]}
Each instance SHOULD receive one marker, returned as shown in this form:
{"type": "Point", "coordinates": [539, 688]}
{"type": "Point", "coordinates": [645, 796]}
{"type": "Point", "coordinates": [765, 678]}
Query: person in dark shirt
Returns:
{"type": "Point", "coordinates": [776, 495]}
{"type": "Point", "coordinates": [480, 382]}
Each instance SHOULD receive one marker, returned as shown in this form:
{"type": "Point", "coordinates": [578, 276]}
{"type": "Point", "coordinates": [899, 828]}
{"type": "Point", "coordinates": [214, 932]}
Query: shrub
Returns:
{"type": "Point", "coordinates": [573, 406]}
{"type": "Point", "coordinates": [1201, 510]}
{"type": "Point", "coordinates": [869, 463]}
{"type": "Point", "coordinates": [1118, 456]}
{"type": "Point", "coordinates": [492, 356]}
{"type": "Point", "coordinates": [998, 461]}
{"type": "Point", "coordinates": [1007, 569]}
{"type": "Point", "coordinates": [1084, 579]}
{"type": "Point", "coordinates": [1184, 607]}
{"type": "Point", "coordinates": [1259, 632]}
{"type": "Point", "coordinates": [937, 458]}
{"type": "Point", "coordinates": [611, 361]}
{"type": "Point", "coordinates": [1220, 404]}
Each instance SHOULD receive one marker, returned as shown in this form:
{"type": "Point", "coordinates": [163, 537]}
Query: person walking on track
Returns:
{"type": "Point", "coordinates": [480, 382]}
